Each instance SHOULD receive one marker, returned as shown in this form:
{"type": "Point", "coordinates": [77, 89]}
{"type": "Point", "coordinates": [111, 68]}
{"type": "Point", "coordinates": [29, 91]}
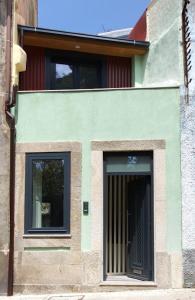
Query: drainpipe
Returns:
{"type": "Point", "coordinates": [11, 122]}
{"type": "Point", "coordinates": [186, 47]}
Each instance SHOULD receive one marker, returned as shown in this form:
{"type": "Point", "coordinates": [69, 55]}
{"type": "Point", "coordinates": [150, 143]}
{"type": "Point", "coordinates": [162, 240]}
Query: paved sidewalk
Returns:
{"type": "Point", "coordinates": [183, 294]}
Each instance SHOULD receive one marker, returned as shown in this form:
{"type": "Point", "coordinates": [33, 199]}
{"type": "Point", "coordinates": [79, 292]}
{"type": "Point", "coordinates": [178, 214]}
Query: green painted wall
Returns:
{"type": "Point", "coordinates": [139, 67]}
{"type": "Point", "coordinates": [108, 115]}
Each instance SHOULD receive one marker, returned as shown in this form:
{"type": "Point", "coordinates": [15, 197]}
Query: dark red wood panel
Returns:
{"type": "Point", "coordinates": [118, 72]}
{"type": "Point", "coordinates": [34, 76]}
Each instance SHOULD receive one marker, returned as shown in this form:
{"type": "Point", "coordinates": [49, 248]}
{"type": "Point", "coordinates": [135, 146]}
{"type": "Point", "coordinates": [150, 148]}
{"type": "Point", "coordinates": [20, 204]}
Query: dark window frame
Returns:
{"type": "Point", "coordinates": [28, 229]}
{"type": "Point", "coordinates": [76, 59]}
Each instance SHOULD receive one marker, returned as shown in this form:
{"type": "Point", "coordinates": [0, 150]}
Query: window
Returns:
{"type": "Point", "coordinates": [47, 193]}
{"type": "Point", "coordinates": [63, 76]}
{"type": "Point", "coordinates": [54, 69]}
{"type": "Point", "coordinates": [73, 71]}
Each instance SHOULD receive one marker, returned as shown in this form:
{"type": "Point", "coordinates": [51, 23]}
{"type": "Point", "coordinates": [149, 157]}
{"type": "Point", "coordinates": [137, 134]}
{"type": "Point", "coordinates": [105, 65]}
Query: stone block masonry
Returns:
{"type": "Point", "coordinates": [4, 157]}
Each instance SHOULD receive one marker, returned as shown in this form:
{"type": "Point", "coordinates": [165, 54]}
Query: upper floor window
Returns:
{"type": "Point", "coordinates": [50, 69]}
{"type": "Point", "coordinates": [67, 71]}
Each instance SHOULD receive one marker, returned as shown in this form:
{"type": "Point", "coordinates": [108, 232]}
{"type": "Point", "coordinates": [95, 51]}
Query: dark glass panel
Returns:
{"type": "Point", "coordinates": [48, 192]}
{"type": "Point", "coordinates": [128, 163]}
{"type": "Point", "coordinates": [63, 76]}
{"type": "Point", "coordinates": [88, 76]}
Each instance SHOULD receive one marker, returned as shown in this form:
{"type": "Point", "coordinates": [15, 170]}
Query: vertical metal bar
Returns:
{"type": "Point", "coordinates": [106, 220]}
{"type": "Point", "coordinates": [119, 224]}
{"type": "Point", "coordinates": [123, 225]}
{"type": "Point", "coordinates": [115, 215]}
{"type": "Point", "coordinates": [126, 220]}
{"type": "Point", "coordinates": [110, 224]}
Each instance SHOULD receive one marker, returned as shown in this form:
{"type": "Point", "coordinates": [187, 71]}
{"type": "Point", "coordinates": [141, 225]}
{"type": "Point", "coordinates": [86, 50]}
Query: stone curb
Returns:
{"type": "Point", "coordinates": [132, 295]}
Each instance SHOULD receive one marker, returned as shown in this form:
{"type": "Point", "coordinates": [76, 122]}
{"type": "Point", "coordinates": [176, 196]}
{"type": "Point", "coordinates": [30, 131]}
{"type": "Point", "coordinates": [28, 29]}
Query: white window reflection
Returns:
{"type": "Point", "coordinates": [62, 70]}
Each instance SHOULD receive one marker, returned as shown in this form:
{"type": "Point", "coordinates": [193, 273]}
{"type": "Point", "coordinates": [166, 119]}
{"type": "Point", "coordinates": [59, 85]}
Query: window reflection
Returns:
{"type": "Point", "coordinates": [63, 76]}
{"type": "Point", "coordinates": [88, 76]}
{"type": "Point", "coordinates": [48, 192]}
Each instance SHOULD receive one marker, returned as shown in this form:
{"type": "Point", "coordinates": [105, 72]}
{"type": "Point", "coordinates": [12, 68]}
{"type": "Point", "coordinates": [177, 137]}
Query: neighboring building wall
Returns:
{"type": "Point", "coordinates": [27, 14]}
{"type": "Point", "coordinates": [162, 66]}
{"type": "Point", "coordinates": [4, 155]}
{"type": "Point", "coordinates": [188, 163]}
{"type": "Point", "coordinates": [139, 31]}
{"type": "Point", "coordinates": [120, 120]}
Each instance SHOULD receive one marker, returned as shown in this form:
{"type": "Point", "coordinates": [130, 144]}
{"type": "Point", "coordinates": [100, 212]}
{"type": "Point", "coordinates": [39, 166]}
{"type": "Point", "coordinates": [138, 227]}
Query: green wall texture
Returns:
{"type": "Point", "coordinates": [108, 115]}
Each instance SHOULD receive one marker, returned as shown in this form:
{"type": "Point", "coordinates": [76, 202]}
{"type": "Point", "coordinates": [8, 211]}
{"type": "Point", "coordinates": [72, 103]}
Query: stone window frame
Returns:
{"type": "Point", "coordinates": [71, 240]}
{"type": "Point", "coordinates": [161, 257]}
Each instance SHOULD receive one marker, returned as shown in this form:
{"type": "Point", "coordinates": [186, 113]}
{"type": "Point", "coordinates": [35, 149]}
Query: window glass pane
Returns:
{"type": "Point", "coordinates": [48, 192]}
{"type": "Point", "coordinates": [63, 76]}
{"type": "Point", "coordinates": [128, 163]}
{"type": "Point", "coordinates": [88, 76]}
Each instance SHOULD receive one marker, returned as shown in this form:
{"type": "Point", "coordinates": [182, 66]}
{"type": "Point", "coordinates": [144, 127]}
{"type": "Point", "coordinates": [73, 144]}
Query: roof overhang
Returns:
{"type": "Point", "coordinates": [33, 36]}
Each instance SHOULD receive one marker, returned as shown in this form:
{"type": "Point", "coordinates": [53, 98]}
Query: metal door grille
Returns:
{"type": "Point", "coordinates": [116, 224]}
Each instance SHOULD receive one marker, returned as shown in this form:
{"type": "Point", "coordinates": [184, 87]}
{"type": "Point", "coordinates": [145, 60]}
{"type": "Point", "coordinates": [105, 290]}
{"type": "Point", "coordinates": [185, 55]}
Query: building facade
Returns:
{"type": "Point", "coordinates": [102, 175]}
{"type": "Point", "coordinates": [112, 122]}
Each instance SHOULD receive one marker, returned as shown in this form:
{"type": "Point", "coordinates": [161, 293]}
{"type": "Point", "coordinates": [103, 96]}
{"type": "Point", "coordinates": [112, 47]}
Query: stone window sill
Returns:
{"type": "Point", "coordinates": [128, 282]}
{"type": "Point", "coordinates": [47, 236]}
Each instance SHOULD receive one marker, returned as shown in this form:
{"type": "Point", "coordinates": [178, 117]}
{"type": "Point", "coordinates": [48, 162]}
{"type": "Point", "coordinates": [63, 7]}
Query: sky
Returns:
{"type": "Point", "coordinates": [90, 16]}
